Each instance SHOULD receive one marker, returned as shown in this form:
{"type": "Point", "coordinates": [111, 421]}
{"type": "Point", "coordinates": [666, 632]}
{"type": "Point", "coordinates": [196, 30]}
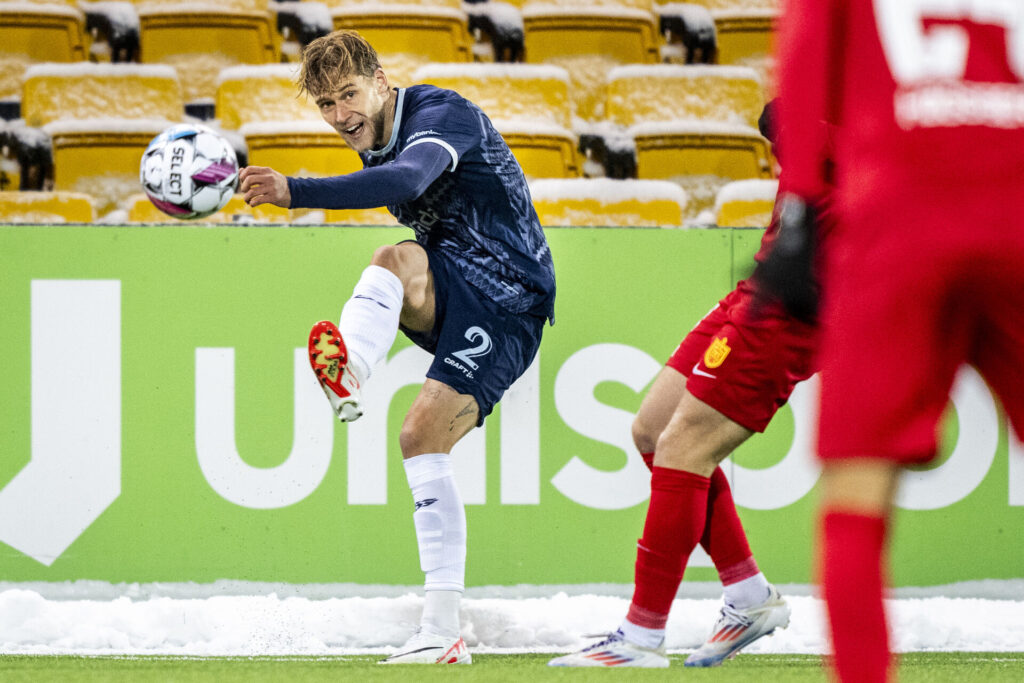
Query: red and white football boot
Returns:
{"type": "Point", "coordinates": [329, 358]}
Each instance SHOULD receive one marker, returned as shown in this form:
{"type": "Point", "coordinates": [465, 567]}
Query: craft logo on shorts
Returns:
{"type": "Point", "coordinates": [717, 352]}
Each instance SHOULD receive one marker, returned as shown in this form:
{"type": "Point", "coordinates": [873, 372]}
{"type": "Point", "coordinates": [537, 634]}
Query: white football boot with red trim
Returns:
{"type": "Point", "coordinates": [427, 647]}
{"type": "Point", "coordinates": [329, 358]}
{"type": "Point", "coordinates": [737, 628]}
{"type": "Point", "coordinates": [614, 651]}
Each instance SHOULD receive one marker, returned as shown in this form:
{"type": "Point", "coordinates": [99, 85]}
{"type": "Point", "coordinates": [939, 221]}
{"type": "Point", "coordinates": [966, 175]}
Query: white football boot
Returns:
{"type": "Point", "coordinates": [329, 359]}
{"type": "Point", "coordinates": [616, 651]}
{"type": "Point", "coordinates": [427, 647]}
{"type": "Point", "coordinates": [737, 628]}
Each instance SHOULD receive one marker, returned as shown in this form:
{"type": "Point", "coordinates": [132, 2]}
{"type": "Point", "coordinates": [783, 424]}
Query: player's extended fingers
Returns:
{"type": "Point", "coordinates": [255, 196]}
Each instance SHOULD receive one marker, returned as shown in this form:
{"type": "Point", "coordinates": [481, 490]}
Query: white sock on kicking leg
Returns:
{"type": "Point", "coordinates": [440, 520]}
{"type": "Point", "coordinates": [369, 320]}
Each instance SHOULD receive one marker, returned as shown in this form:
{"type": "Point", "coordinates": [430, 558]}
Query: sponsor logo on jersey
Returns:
{"type": "Point", "coordinates": [717, 352]}
{"type": "Point", "coordinates": [421, 134]}
{"type": "Point", "coordinates": [426, 502]}
{"type": "Point", "coordinates": [458, 366]}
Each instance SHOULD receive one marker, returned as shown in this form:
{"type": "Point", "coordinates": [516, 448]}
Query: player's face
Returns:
{"type": "Point", "coordinates": [361, 110]}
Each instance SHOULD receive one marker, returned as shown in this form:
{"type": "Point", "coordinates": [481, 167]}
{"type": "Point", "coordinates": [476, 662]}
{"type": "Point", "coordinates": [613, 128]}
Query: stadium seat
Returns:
{"type": "Point", "coordinates": [285, 130]}
{"type": "Point", "coordinates": [746, 204]}
{"type": "Point", "coordinates": [36, 32]}
{"type": "Point", "coordinates": [408, 34]}
{"type": "Point", "coordinates": [528, 104]}
{"type": "Point", "coordinates": [100, 118]}
{"type": "Point", "coordinates": [744, 30]}
{"type": "Point", "coordinates": [663, 92]}
{"type": "Point", "coordinates": [623, 31]}
{"type": "Point", "coordinates": [606, 202]}
{"type": "Point", "coordinates": [46, 207]}
{"type": "Point", "coordinates": [200, 41]}
{"type": "Point", "coordinates": [745, 38]}
{"type": "Point", "coordinates": [692, 124]}
{"type": "Point", "coordinates": [588, 39]}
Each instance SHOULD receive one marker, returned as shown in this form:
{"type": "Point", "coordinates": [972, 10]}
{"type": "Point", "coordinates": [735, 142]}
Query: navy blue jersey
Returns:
{"type": "Point", "coordinates": [479, 211]}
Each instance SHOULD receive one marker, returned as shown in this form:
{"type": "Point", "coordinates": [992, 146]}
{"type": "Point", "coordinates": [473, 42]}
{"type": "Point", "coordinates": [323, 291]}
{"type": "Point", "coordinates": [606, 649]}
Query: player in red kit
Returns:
{"type": "Point", "coordinates": [926, 268]}
{"type": "Point", "coordinates": [726, 380]}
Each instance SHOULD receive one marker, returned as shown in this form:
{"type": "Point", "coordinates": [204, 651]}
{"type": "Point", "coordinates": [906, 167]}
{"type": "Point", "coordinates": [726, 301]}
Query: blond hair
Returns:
{"type": "Point", "coordinates": [329, 58]}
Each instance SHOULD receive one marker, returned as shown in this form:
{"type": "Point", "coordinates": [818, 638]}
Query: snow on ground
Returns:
{"type": "Point", "coordinates": [233, 618]}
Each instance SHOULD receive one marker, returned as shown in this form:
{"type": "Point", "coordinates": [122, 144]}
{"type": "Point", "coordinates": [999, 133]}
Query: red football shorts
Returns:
{"type": "Point", "coordinates": [917, 285]}
{"type": "Point", "coordinates": [743, 366]}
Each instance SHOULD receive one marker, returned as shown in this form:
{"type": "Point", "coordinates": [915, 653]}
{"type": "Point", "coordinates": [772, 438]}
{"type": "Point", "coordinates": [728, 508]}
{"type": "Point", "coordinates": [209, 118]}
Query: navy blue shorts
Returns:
{"type": "Point", "coordinates": [479, 348]}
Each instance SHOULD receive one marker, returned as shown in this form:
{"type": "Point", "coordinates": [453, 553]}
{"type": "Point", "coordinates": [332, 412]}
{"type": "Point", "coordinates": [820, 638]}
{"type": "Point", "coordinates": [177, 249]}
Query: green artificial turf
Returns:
{"type": "Point", "coordinates": [930, 667]}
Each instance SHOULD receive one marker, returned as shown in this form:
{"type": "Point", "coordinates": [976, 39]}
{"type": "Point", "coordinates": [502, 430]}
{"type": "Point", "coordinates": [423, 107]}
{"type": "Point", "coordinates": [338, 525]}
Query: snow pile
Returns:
{"type": "Point", "coordinates": [121, 16]}
{"type": "Point", "coordinates": [364, 621]}
{"type": "Point", "coordinates": [606, 191]}
{"type": "Point", "coordinates": [755, 190]}
{"type": "Point", "coordinates": [628, 9]}
{"type": "Point", "coordinates": [522, 92]}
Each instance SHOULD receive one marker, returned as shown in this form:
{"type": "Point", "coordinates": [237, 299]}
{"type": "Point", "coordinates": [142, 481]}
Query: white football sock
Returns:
{"type": "Point", "coordinates": [369, 320]}
{"type": "Point", "coordinates": [440, 520]}
{"type": "Point", "coordinates": [639, 635]}
{"type": "Point", "coordinates": [748, 592]}
{"type": "Point", "coordinates": [441, 612]}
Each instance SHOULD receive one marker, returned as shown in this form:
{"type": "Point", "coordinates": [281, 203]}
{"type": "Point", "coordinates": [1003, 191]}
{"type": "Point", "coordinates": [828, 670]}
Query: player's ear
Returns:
{"type": "Point", "coordinates": [380, 79]}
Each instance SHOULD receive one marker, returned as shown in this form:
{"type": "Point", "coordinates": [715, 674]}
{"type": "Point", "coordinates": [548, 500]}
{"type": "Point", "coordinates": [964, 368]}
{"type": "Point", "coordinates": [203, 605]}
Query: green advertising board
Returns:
{"type": "Point", "coordinates": [158, 421]}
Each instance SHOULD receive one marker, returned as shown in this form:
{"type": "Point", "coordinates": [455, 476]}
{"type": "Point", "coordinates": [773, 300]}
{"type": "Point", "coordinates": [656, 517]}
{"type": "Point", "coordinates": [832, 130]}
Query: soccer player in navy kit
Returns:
{"type": "Point", "coordinates": [475, 288]}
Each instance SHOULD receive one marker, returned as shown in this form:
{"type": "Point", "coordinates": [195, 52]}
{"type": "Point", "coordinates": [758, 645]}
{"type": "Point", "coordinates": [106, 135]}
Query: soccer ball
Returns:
{"type": "Point", "coordinates": [189, 171]}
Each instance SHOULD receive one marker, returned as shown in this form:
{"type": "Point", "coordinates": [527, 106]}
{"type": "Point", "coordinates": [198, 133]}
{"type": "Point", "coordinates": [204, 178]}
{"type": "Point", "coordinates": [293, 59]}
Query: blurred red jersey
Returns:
{"type": "Point", "coordinates": [931, 90]}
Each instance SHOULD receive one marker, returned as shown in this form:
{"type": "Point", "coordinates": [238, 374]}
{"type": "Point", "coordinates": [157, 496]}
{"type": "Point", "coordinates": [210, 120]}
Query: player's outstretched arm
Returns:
{"type": "Point", "coordinates": [262, 185]}
{"type": "Point", "coordinates": [395, 182]}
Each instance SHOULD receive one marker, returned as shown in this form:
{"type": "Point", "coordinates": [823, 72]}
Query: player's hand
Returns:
{"type": "Point", "coordinates": [787, 274]}
{"type": "Point", "coordinates": [262, 185]}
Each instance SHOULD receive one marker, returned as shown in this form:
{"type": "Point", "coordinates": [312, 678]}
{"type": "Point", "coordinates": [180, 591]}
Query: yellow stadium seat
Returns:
{"type": "Point", "coordinates": [528, 104]}
{"type": "Point", "coordinates": [258, 93]}
{"type": "Point", "coordinates": [46, 207]}
{"type": "Point", "coordinates": [100, 118]}
{"type": "Point", "coordinates": [664, 92]}
{"type": "Point", "coordinates": [746, 204]}
{"type": "Point", "coordinates": [589, 39]}
{"type": "Point", "coordinates": [408, 35]}
{"type": "Point", "coordinates": [624, 32]}
{"type": "Point", "coordinates": [694, 125]}
{"type": "Point", "coordinates": [32, 33]}
{"type": "Point", "coordinates": [744, 30]}
{"type": "Point", "coordinates": [666, 150]}
{"type": "Point", "coordinates": [522, 91]}
{"type": "Point", "coordinates": [606, 202]}
{"type": "Point", "coordinates": [200, 42]}
{"type": "Point", "coordinates": [89, 91]}
{"type": "Point", "coordinates": [700, 156]}
{"type": "Point", "coordinates": [745, 38]}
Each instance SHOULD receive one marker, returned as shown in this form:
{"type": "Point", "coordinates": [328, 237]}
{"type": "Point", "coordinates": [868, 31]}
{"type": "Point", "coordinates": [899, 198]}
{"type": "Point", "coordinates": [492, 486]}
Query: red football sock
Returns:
{"type": "Point", "coordinates": [675, 522]}
{"type": "Point", "coordinates": [648, 460]}
{"type": "Point", "coordinates": [850, 569]}
{"type": "Point", "coordinates": [724, 538]}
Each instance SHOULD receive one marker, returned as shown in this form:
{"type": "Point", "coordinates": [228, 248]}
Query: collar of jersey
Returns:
{"type": "Point", "coordinates": [394, 128]}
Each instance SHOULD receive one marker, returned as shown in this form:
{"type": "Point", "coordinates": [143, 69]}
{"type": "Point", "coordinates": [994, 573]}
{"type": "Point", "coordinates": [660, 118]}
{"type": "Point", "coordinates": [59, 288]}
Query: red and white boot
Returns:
{"type": "Point", "coordinates": [329, 359]}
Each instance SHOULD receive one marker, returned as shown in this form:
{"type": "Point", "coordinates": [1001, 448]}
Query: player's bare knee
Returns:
{"type": "Point", "coordinates": [411, 440]}
{"type": "Point", "coordinates": [388, 256]}
{"type": "Point", "coordinates": [645, 436]}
